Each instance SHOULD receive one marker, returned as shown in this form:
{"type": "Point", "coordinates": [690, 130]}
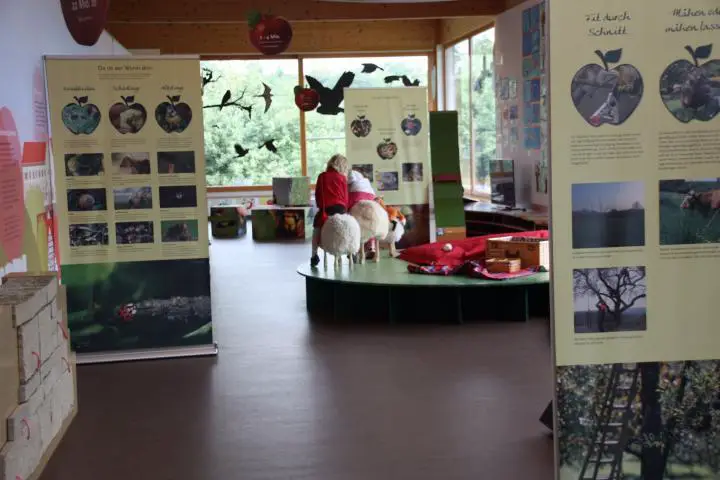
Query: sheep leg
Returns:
{"type": "Point", "coordinates": [376, 245]}
{"type": "Point", "coordinates": [392, 248]}
{"type": "Point", "coordinates": [325, 259]}
{"type": "Point", "coordinates": [338, 260]}
{"type": "Point", "coordinates": [349, 256]}
{"type": "Point", "coordinates": [361, 253]}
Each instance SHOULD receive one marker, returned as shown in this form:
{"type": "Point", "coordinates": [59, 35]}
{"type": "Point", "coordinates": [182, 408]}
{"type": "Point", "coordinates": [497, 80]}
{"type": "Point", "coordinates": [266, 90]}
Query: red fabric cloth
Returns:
{"type": "Point", "coordinates": [331, 189]}
{"type": "Point", "coordinates": [355, 197]}
{"type": "Point", "coordinates": [465, 250]}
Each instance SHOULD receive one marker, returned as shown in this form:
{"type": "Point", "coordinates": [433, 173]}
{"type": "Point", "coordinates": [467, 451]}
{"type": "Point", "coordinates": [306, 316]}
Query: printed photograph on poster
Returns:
{"type": "Point", "coordinates": [178, 197]}
{"type": "Point", "coordinates": [610, 299]}
{"type": "Point", "coordinates": [176, 162]}
{"type": "Point", "coordinates": [128, 116]}
{"type": "Point", "coordinates": [179, 230]}
{"type": "Point", "coordinates": [608, 215]}
{"type": "Point", "coordinates": [130, 163]}
{"type": "Point", "coordinates": [541, 177]}
{"type": "Point", "coordinates": [81, 117]}
{"type": "Point", "coordinates": [130, 233]}
{"type": "Point", "coordinates": [365, 168]}
{"type": "Point", "coordinates": [527, 91]}
{"type": "Point", "coordinates": [173, 115]}
{"type": "Point", "coordinates": [387, 181]}
{"type": "Point", "coordinates": [86, 199]}
{"type": "Point", "coordinates": [639, 421]}
{"type": "Point", "coordinates": [411, 125]}
{"type": "Point", "coordinates": [88, 234]}
{"type": "Point", "coordinates": [361, 126]}
{"type": "Point", "coordinates": [387, 149]}
{"type": "Point", "coordinates": [535, 90]}
{"type": "Point", "coordinates": [84, 164]}
{"type": "Point", "coordinates": [532, 138]}
{"type": "Point", "coordinates": [132, 198]}
{"type": "Point", "coordinates": [688, 211]}
{"type": "Point", "coordinates": [512, 87]}
{"type": "Point", "coordinates": [132, 305]}
{"type": "Point", "coordinates": [528, 70]}
{"type": "Point", "coordinates": [412, 172]}
{"type": "Point", "coordinates": [513, 114]}
{"type": "Point", "coordinates": [526, 22]}
{"type": "Point", "coordinates": [505, 88]}
{"type": "Point", "coordinates": [690, 86]}
{"type": "Point", "coordinates": [607, 94]}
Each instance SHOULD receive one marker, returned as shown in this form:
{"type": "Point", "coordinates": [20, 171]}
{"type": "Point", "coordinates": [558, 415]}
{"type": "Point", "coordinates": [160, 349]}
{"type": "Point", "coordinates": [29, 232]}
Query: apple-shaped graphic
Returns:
{"type": "Point", "coordinates": [269, 34]}
{"type": "Point", "coordinates": [12, 213]}
{"type": "Point", "coordinates": [387, 149]}
{"type": "Point", "coordinates": [306, 99]}
{"type": "Point", "coordinates": [411, 125]}
{"type": "Point", "coordinates": [689, 90]}
{"type": "Point", "coordinates": [173, 116]}
{"type": "Point", "coordinates": [128, 116]}
{"type": "Point", "coordinates": [85, 19]}
{"type": "Point", "coordinates": [361, 126]}
{"type": "Point", "coordinates": [604, 95]}
{"type": "Point", "coordinates": [81, 117]}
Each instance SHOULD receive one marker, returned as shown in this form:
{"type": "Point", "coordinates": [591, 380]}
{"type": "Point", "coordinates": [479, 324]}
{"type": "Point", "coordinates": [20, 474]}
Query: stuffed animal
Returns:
{"type": "Point", "coordinates": [393, 213]}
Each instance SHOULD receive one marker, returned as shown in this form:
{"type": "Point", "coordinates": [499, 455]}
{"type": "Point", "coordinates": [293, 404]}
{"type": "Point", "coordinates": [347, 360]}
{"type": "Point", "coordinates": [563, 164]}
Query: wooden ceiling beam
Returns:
{"type": "Point", "coordinates": [235, 11]}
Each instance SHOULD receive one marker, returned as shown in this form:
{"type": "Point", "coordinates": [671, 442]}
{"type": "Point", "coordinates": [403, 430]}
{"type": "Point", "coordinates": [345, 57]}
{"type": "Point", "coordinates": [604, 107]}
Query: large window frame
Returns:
{"type": "Point", "coordinates": [473, 191]}
{"type": "Point", "coordinates": [301, 81]}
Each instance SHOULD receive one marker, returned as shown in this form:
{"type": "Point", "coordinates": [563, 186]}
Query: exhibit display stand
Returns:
{"type": "Point", "coordinates": [128, 161]}
{"type": "Point", "coordinates": [635, 238]}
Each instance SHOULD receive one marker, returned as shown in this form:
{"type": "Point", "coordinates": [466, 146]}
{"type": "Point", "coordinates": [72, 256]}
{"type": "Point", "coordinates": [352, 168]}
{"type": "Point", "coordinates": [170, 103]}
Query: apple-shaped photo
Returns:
{"type": "Point", "coordinates": [128, 116]}
{"type": "Point", "coordinates": [361, 126]}
{"type": "Point", "coordinates": [604, 95]}
{"type": "Point", "coordinates": [691, 90]}
{"type": "Point", "coordinates": [81, 117]}
{"type": "Point", "coordinates": [411, 125]}
{"type": "Point", "coordinates": [173, 116]}
{"type": "Point", "coordinates": [387, 149]}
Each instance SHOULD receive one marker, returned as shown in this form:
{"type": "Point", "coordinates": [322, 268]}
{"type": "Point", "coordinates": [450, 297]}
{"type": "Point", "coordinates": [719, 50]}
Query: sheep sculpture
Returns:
{"type": "Point", "coordinates": [374, 225]}
{"type": "Point", "coordinates": [340, 236]}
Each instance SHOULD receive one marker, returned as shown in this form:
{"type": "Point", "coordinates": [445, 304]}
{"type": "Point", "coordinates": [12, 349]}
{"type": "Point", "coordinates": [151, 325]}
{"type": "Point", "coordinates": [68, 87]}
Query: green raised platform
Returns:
{"type": "Point", "coordinates": [386, 289]}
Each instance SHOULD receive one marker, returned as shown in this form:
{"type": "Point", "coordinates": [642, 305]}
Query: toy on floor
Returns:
{"type": "Point", "coordinates": [374, 225]}
{"type": "Point", "coordinates": [340, 236]}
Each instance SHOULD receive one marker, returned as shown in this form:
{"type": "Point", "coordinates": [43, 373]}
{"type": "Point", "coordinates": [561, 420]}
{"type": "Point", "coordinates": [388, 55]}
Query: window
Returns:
{"type": "Point", "coordinates": [469, 89]}
{"type": "Point", "coordinates": [236, 134]}
{"type": "Point", "coordinates": [325, 134]}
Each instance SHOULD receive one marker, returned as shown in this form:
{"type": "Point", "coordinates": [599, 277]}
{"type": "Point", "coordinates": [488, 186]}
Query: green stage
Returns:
{"type": "Point", "coordinates": [387, 290]}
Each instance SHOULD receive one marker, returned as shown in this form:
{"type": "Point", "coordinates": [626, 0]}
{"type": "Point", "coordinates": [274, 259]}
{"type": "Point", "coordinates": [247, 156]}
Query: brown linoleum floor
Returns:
{"type": "Point", "coordinates": [287, 399]}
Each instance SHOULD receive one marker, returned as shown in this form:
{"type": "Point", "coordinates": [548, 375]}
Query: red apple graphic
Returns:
{"type": "Point", "coordinates": [12, 212]}
{"type": "Point", "coordinates": [387, 149]}
{"type": "Point", "coordinates": [690, 90]}
{"type": "Point", "coordinates": [173, 116]}
{"type": "Point", "coordinates": [361, 126]}
{"type": "Point", "coordinates": [128, 116]}
{"type": "Point", "coordinates": [85, 19]}
{"type": "Point", "coordinates": [269, 34]}
{"type": "Point", "coordinates": [604, 95]}
{"type": "Point", "coordinates": [306, 99]}
{"type": "Point", "coordinates": [81, 117]}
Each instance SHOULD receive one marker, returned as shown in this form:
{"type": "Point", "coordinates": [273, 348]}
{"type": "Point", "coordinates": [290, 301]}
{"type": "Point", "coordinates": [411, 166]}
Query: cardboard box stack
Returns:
{"type": "Point", "coordinates": [37, 390]}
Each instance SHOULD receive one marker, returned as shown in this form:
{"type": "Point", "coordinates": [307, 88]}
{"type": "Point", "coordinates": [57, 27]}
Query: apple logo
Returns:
{"type": "Point", "coordinates": [387, 149]}
{"type": "Point", "coordinates": [604, 95]}
{"type": "Point", "coordinates": [173, 116]}
{"type": "Point", "coordinates": [689, 90]}
{"type": "Point", "coordinates": [81, 117]}
{"type": "Point", "coordinates": [411, 125]}
{"type": "Point", "coordinates": [128, 116]}
{"type": "Point", "coordinates": [361, 126]}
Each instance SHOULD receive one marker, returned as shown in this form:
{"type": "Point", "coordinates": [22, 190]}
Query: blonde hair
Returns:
{"type": "Point", "coordinates": [339, 163]}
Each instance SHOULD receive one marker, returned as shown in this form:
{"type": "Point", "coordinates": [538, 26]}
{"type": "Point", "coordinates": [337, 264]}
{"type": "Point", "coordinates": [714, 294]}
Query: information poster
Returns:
{"type": "Point", "coordinates": [635, 178]}
{"type": "Point", "coordinates": [128, 156]}
{"type": "Point", "coordinates": [387, 140]}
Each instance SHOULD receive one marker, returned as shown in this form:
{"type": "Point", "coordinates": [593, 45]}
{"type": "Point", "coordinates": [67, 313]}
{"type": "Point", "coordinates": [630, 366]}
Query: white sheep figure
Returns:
{"type": "Point", "coordinates": [374, 225]}
{"type": "Point", "coordinates": [340, 235]}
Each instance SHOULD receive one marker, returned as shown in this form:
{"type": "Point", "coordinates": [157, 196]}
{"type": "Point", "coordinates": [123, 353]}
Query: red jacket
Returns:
{"type": "Point", "coordinates": [331, 189]}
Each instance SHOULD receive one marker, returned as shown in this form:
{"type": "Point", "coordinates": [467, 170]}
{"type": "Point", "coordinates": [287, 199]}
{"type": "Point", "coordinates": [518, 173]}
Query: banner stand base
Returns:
{"type": "Point", "coordinates": [149, 354]}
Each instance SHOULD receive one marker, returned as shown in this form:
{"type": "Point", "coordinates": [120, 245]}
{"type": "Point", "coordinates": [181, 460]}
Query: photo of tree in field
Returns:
{"type": "Point", "coordinates": [689, 211]}
{"type": "Point", "coordinates": [639, 421]}
{"type": "Point", "coordinates": [610, 299]}
{"type": "Point", "coordinates": [607, 215]}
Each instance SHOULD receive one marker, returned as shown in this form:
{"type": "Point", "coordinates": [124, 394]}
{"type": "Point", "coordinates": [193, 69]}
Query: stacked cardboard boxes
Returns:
{"type": "Point", "coordinates": [37, 386]}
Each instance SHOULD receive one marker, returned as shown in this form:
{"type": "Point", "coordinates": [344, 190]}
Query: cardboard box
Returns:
{"type": "Point", "coordinates": [531, 251]}
{"type": "Point", "coordinates": [503, 265]}
{"type": "Point", "coordinates": [272, 223]}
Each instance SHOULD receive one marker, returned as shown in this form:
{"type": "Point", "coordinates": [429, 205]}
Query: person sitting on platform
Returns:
{"type": "Point", "coordinates": [331, 197]}
{"type": "Point", "coordinates": [360, 188]}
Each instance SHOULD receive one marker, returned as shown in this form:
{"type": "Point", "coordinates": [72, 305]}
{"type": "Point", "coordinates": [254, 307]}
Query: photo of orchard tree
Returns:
{"type": "Point", "coordinates": [639, 421]}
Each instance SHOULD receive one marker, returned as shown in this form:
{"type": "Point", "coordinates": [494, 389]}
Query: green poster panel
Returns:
{"type": "Point", "coordinates": [447, 181]}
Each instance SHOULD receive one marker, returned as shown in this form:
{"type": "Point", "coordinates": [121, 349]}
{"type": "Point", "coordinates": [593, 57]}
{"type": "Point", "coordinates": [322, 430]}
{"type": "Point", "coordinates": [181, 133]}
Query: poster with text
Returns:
{"type": "Point", "coordinates": [127, 145]}
{"type": "Point", "coordinates": [635, 192]}
{"type": "Point", "coordinates": [387, 140]}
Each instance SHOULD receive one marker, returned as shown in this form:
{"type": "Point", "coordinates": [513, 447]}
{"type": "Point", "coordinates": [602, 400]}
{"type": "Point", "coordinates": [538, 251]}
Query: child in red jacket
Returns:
{"type": "Point", "coordinates": [331, 197]}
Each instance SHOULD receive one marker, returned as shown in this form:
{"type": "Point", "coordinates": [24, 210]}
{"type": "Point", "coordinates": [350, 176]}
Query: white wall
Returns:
{"type": "Point", "coordinates": [30, 29]}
